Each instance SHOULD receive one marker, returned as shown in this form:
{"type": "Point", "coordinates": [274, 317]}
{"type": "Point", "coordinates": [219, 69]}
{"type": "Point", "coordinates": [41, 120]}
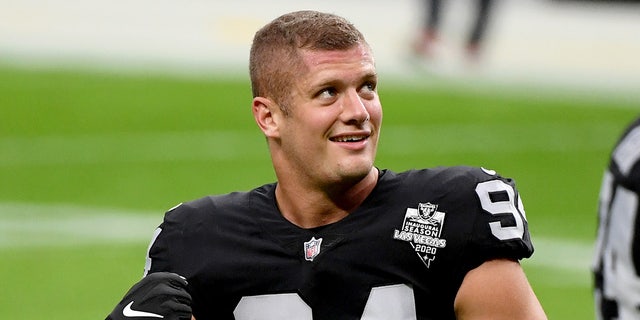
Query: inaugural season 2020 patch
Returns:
{"type": "Point", "coordinates": [422, 227]}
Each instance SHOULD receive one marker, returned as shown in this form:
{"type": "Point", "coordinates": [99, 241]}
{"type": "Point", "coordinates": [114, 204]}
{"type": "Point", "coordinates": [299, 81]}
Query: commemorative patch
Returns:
{"type": "Point", "coordinates": [422, 227]}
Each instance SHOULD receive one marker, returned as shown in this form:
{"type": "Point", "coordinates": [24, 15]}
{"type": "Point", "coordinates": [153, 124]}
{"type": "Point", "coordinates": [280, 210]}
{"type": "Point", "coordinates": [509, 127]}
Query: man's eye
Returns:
{"type": "Point", "coordinates": [368, 90]}
{"type": "Point", "coordinates": [327, 93]}
{"type": "Point", "coordinates": [370, 86]}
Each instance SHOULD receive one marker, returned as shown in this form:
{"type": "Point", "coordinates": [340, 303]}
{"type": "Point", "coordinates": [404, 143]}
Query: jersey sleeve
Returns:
{"type": "Point", "coordinates": [500, 229]}
{"type": "Point", "coordinates": [167, 249]}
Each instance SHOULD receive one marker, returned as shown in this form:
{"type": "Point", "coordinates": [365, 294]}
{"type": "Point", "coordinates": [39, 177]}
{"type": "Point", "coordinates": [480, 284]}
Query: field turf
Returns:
{"type": "Point", "coordinates": [90, 161]}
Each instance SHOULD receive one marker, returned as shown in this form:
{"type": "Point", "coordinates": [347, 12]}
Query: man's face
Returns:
{"type": "Point", "coordinates": [331, 132]}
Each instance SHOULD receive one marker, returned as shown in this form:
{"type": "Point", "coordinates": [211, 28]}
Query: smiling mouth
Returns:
{"type": "Point", "coordinates": [349, 138]}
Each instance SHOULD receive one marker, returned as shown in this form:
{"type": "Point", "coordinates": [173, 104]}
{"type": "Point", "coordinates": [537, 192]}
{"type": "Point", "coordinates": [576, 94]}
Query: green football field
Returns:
{"type": "Point", "coordinates": [89, 162]}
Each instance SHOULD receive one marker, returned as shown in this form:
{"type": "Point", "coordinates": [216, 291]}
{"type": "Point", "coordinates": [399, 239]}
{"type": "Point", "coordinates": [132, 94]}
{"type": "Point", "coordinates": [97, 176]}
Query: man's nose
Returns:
{"type": "Point", "coordinates": [354, 109]}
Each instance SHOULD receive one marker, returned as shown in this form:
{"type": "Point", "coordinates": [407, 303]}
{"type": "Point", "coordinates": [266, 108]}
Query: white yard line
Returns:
{"type": "Point", "coordinates": [41, 225]}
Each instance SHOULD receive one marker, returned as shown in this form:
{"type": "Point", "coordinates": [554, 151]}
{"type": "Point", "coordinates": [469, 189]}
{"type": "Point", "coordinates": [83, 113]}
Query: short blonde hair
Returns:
{"type": "Point", "coordinates": [274, 61]}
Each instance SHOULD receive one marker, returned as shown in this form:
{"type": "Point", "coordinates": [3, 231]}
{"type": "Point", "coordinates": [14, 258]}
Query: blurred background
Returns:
{"type": "Point", "coordinates": [547, 41]}
{"type": "Point", "coordinates": [113, 111]}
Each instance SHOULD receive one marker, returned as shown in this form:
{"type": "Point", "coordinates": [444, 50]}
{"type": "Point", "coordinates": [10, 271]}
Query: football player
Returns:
{"type": "Point", "coordinates": [617, 255]}
{"type": "Point", "coordinates": [337, 237]}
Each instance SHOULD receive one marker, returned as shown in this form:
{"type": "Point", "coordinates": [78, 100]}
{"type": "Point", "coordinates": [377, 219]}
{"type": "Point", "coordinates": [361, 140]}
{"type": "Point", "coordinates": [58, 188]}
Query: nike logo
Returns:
{"type": "Point", "coordinates": [130, 313]}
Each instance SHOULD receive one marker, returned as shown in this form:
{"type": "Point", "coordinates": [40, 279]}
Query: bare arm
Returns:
{"type": "Point", "coordinates": [497, 289]}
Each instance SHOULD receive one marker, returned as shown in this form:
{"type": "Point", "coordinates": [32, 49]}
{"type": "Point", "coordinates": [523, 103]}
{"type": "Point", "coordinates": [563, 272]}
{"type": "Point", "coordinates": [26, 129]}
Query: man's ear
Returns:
{"type": "Point", "coordinates": [267, 114]}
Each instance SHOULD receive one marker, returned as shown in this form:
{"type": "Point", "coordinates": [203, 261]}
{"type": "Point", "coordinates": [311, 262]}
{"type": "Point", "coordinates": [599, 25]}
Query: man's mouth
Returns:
{"type": "Point", "coordinates": [349, 138]}
{"type": "Point", "coordinates": [354, 138]}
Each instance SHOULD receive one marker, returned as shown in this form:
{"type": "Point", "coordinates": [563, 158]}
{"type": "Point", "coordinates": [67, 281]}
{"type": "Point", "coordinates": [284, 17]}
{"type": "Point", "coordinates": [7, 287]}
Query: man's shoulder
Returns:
{"type": "Point", "coordinates": [476, 210]}
{"type": "Point", "coordinates": [454, 176]}
{"type": "Point", "coordinates": [457, 187]}
{"type": "Point", "coordinates": [223, 204]}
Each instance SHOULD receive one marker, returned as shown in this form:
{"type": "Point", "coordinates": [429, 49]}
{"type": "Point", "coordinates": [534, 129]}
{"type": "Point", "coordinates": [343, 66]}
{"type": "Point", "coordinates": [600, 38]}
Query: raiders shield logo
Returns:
{"type": "Point", "coordinates": [427, 210]}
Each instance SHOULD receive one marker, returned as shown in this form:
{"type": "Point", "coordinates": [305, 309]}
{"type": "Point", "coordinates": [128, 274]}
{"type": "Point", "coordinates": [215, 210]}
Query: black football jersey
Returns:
{"type": "Point", "coordinates": [617, 254]}
{"type": "Point", "coordinates": [401, 255]}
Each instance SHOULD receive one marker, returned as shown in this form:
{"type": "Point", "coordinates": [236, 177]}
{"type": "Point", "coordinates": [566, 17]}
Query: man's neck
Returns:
{"type": "Point", "coordinates": [314, 207]}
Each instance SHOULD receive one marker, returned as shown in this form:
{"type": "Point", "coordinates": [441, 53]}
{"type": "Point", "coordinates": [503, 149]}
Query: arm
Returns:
{"type": "Point", "coordinates": [497, 289]}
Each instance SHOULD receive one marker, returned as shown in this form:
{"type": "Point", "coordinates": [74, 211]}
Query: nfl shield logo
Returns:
{"type": "Point", "coordinates": [312, 248]}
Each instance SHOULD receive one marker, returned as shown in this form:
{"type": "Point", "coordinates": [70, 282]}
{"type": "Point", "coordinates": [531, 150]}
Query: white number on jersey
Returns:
{"type": "Point", "coordinates": [498, 207]}
{"type": "Point", "coordinates": [389, 302]}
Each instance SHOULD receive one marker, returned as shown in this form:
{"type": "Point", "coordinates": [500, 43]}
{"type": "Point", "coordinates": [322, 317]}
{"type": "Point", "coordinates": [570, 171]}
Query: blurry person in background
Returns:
{"type": "Point", "coordinates": [617, 255]}
{"type": "Point", "coordinates": [429, 35]}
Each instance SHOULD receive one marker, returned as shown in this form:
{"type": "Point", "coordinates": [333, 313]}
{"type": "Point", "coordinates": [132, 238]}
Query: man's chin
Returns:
{"type": "Point", "coordinates": [355, 172]}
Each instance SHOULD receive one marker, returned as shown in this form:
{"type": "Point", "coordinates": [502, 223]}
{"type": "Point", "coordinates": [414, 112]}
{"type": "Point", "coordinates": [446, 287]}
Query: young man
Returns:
{"type": "Point", "coordinates": [336, 237]}
{"type": "Point", "coordinates": [617, 256]}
